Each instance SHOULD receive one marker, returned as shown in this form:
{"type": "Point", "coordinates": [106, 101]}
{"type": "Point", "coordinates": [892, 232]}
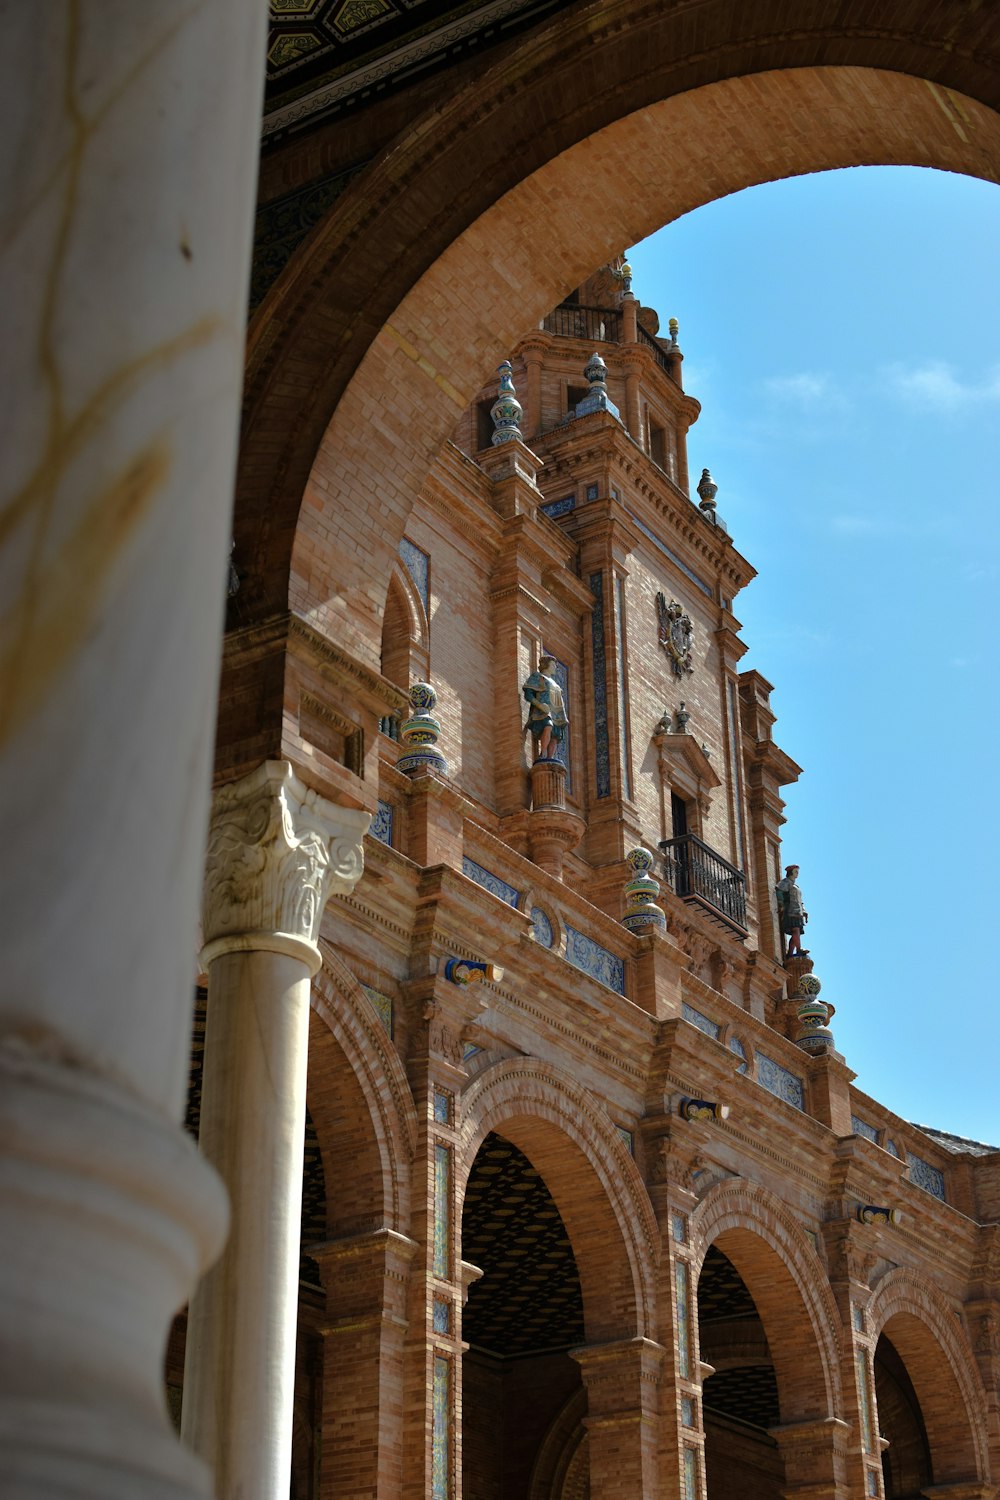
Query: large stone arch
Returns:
{"type": "Point", "coordinates": [495, 280]}
{"type": "Point", "coordinates": [646, 114]}
{"type": "Point", "coordinates": [787, 1281]}
{"type": "Point", "coordinates": [592, 1178]}
{"type": "Point", "coordinates": [925, 1331]}
{"type": "Point", "coordinates": [345, 1029]}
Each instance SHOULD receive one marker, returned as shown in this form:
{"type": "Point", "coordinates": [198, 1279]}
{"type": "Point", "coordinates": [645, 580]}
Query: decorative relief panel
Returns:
{"type": "Point", "coordinates": [923, 1175]}
{"type": "Point", "coordinates": [780, 1082]}
{"type": "Point", "coordinates": [490, 882]}
{"type": "Point", "coordinates": [585, 954]}
{"type": "Point", "coordinates": [676, 635]}
{"type": "Point", "coordinates": [696, 1018]}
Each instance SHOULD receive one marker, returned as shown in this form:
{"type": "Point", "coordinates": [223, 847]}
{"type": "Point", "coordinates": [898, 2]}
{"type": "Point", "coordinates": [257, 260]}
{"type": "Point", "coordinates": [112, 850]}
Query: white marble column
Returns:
{"type": "Point", "coordinates": [276, 851]}
{"type": "Point", "coordinates": [127, 176]}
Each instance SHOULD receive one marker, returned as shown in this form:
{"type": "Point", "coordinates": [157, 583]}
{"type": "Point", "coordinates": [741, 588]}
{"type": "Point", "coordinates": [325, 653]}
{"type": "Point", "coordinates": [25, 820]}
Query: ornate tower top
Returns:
{"type": "Point", "coordinates": [597, 398]}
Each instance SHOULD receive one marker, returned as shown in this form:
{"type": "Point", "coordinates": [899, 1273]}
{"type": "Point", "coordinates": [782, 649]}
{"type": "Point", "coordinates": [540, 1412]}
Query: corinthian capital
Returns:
{"type": "Point", "coordinates": [276, 852]}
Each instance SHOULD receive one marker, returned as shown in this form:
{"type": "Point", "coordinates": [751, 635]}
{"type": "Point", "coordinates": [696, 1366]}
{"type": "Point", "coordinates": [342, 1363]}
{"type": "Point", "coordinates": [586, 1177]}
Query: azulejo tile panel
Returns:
{"type": "Point", "coordinates": [490, 882]}
{"type": "Point", "coordinates": [583, 953]}
{"type": "Point", "coordinates": [602, 752]}
{"type": "Point", "coordinates": [861, 1127]}
{"type": "Point", "coordinates": [418, 565]}
{"type": "Point", "coordinates": [541, 927]}
{"type": "Point", "coordinates": [622, 686]}
{"type": "Point", "coordinates": [382, 1005]}
{"type": "Point", "coordinates": [923, 1175]}
{"type": "Point", "coordinates": [735, 1045]}
{"type": "Point", "coordinates": [683, 1320]}
{"type": "Point", "coordinates": [702, 1022]}
{"type": "Point", "coordinates": [780, 1082]}
{"type": "Point", "coordinates": [864, 1399]}
{"type": "Point", "coordinates": [381, 824]}
{"type": "Point", "coordinates": [557, 508]}
{"type": "Point", "coordinates": [442, 1211]}
{"type": "Point", "coordinates": [441, 1437]}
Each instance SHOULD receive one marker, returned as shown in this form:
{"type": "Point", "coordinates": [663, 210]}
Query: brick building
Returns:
{"type": "Point", "coordinates": [542, 1181]}
{"type": "Point", "coordinates": [591, 1205]}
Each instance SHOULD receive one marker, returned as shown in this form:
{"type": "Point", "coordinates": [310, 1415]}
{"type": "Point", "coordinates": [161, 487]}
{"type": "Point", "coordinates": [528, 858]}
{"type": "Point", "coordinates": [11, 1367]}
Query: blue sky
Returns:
{"type": "Point", "coordinates": [842, 332]}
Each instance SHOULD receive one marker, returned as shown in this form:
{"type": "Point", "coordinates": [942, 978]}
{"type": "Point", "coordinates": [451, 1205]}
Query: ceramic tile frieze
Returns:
{"type": "Point", "coordinates": [441, 1437]}
{"type": "Point", "coordinates": [780, 1082]}
{"type": "Point", "coordinates": [585, 954]}
{"type": "Point", "coordinates": [703, 1022]}
{"type": "Point", "coordinates": [923, 1175]}
{"type": "Point", "coordinates": [490, 882]}
{"type": "Point", "coordinates": [556, 508]}
{"type": "Point", "coordinates": [602, 753]}
{"type": "Point", "coordinates": [861, 1127]}
{"type": "Point", "coordinates": [382, 1005]}
{"type": "Point", "coordinates": [381, 825]}
{"type": "Point", "coordinates": [681, 1285]}
{"type": "Point", "coordinates": [442, 1211]}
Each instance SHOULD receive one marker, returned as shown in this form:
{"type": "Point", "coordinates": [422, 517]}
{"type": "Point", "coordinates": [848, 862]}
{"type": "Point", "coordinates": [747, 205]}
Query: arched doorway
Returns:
{"type": "Point", "coordinates": [522, 1318]}
{"type": "Point", "coordinates": [740, 1398]}
{"type": "Point", "coordinates": [906, 1463]}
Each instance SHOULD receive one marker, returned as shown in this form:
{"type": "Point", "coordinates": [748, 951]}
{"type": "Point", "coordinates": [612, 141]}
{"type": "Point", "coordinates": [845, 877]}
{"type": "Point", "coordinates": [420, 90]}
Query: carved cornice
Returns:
{"type": "Point", "coordinates": [276, 852]}
{"type": "Point", "coordinates": [383, 695]}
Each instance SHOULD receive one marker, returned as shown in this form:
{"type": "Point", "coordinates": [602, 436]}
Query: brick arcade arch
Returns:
{"type": "Point", "coordinates": [360, 1101]}
{"type": "Point", "coordinates": [593, 1180]}
{"type": "Point", "coordinates": [931, 1342]}
{"type": "Point", "coordinates": [428, 359]}
{"type": "Point", "coordinates": [454, 242]}
{"type": "Point", "coordinates": [775, 1260]}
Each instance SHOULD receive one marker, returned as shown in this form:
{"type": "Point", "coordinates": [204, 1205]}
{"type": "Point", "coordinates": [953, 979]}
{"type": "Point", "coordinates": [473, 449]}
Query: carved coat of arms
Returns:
{"type": "Point", "coordinates": [676, 634]}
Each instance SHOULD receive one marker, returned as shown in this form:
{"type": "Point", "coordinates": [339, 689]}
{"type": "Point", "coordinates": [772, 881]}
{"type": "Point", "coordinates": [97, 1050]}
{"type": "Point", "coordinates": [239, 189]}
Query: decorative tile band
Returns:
{"type": "Point", "coordinates": [583, 953]}
{"type": "Point", "coordinates": [622, 688]}
{"type": "Point", "coordinates": [702, 1022]}
{"type": "Point", "coordinates": [864, 1399]}
{"type": "Point", "coordinates": [683, 1320]}
{"type": "Point", "coordinates": [441, 1433]}
{"type": "Point", "coordinates": [556, 508]}
{"type": "Point", "coordinates": [541, 927]}
{"type": "Point", "coordinates": [601, 749]}
{"type": "Point", "coordinates": [382, 1005]}
{"type": "Point", "coordinates": [780, 1082]}
{"type": "Point", "coordinates": [662, 547]}
{"type": "Point", "coordinates": [490, 882]}
{"type": "Point", "coordinates": [418, 565]}
{"type": "Point", "coordinates": [923, 1175]}
{"type": "Point", "coordinates": [735, 1045]}
{"type": "Point", "coordinates": [381, 825]}
{"type": "Point", "coordinates": [690, 1474]}
{"type": "Point", "coordinates": [734, 741]}
{"type": "Point", "coordinates": [442, 1211]}
{"type": "Point", "coordinates": [861, 1127]}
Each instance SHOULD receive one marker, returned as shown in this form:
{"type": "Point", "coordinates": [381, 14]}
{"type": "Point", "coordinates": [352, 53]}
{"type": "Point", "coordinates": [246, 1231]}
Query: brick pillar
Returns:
{"type": "Point", "coordinates": [815, 1459]}
{"type": "Point", "coordinates": [622, 1383]}
{"type": "Point", "coordinates": [366, 1279]}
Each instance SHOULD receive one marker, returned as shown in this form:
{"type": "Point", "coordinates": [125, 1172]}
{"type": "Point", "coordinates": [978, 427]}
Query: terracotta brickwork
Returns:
{"type": "Point", "coordinates": [754, 1321]}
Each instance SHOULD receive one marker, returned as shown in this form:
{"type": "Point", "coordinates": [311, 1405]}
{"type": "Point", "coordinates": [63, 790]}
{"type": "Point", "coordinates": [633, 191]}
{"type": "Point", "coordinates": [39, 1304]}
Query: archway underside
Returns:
{"type": "Point", "coordinates": [497, 277]}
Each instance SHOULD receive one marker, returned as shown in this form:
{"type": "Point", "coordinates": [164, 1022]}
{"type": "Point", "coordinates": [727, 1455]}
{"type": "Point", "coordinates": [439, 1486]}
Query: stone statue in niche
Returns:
{"type": "Point", "coordinates": [676, 634]}
{"type": "Point", "coordinates": [547, 718]}
{"type": "Point", "coordinates": [791, 911]}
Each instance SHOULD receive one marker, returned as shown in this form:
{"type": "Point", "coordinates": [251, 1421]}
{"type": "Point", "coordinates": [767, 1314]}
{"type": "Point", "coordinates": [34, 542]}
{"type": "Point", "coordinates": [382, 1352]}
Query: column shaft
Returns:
{"type": "Point", "coordinates": [240, 1361]}
{"type": "Point", "coordinates": [125, 231]}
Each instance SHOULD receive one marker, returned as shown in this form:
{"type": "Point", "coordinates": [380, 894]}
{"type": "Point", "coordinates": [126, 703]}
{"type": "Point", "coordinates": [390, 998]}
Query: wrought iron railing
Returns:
{"type": "Point", "coordinates": [602, 325]}
{"type": "Point", "coordinates": [645, 337]}
{"type": "Point", "coordinates": [695, 872]}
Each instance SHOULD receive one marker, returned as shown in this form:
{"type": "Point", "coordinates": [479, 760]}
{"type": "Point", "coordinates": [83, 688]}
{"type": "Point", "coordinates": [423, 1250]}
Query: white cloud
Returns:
{"type": "Point", "coordinates": [935, 384]}
{"type": "Point", "coordinates": [804, 388]}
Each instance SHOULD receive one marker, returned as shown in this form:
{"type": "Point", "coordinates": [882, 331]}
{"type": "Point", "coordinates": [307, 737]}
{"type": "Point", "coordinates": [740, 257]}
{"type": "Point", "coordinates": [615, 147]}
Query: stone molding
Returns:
{"type": "Point", "coordinates": [276, 852]}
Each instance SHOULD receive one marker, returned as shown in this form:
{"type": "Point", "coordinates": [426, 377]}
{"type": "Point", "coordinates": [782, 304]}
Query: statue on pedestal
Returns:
{"type": "Point", "coordinates": [547, 717]}
{"type": "Point", "coordinates": [791, 911]}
